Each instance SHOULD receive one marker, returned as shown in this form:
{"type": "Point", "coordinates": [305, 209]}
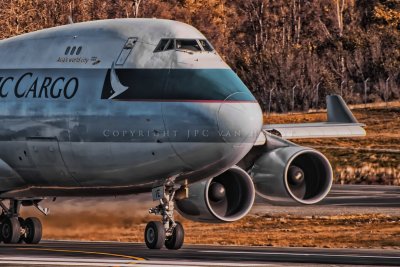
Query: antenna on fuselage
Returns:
{"type": "Point", "coordinates": [70, 20]}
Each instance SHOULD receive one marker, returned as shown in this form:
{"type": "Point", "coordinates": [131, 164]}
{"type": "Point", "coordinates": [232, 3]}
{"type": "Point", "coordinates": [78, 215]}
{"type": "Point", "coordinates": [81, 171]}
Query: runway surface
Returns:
{"type": "Point", "coordinates": [363, 195]}
{"type": "Point", "coordinates": [65, 253]}
{"type": "Point", "coordinates": [344, 199]}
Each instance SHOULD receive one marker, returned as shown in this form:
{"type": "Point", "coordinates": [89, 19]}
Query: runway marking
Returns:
{"type": "Point", "coordinates": [299, 254]}
{"type": "Point", "coordinates": [121, 263]}
{"type": "Point", "coordinates": [64, 263]}
{"type": "Point", "coordinates": [64, 259]}
{"type": "Point", "coordinates": [86, 252]}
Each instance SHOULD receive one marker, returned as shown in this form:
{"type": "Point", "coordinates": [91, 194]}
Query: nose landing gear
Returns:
{"type": "Point", "coordinates": [168, 232]}
{"type": "Point", "coordinates": [14, 229]}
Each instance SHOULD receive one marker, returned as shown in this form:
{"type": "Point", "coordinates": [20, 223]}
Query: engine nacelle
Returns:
{"type": "Point", "coordinates": [225, 198]}
{"type": "Point", "coordinates": [292, 174]}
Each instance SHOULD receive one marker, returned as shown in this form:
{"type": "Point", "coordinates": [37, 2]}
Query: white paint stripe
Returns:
{"type": "Point", "coordinates": [61, 263]}
{"type": "Point", "coordinates": [300, 254]}
{"type": "Point", "coordinates": [65, 259]}
{"type": "Point", "coordinates": [197, 263]}
{"type": "Point", "coordinates": [58, 262]}
{"type": "Point", "coordinates": [63, 241]}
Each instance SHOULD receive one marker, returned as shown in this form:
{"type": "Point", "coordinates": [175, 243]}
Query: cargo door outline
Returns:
{"type": "Point", "coordinates": [46, 155]}
{"type": "Point", "coordinates": [126, 51]}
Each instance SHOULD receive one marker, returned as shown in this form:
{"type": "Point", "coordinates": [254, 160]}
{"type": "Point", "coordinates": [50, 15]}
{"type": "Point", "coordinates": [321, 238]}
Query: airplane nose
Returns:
{"type": "Point", "coordinates": [239, 122]}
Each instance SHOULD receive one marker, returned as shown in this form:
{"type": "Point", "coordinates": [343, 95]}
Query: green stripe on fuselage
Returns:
{"type": "Point", "coordinates": [178, 84]}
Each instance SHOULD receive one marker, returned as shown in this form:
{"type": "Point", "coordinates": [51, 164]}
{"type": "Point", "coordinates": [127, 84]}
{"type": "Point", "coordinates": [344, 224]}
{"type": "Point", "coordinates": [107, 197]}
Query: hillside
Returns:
{"type": "Point", "coordinates": [315, 47]}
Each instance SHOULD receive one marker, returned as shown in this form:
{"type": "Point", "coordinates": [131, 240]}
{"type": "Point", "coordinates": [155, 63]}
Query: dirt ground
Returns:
{"type": "Point", "coordinates": [339, 231]}
{"type": "Point", "coordinates": [374, 159]}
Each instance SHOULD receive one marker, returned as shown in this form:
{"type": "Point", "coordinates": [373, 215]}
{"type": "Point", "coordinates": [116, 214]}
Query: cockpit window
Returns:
{"type": "Point", "coordinates": [161, 45]}
{"type": "Point", "coordinates": [171, 45]}
{"type": "Point", "coordinates": [184, 44]}
{"type": "Point", "coordinates": [191, 45]}
{"type": "Point", "coordinates": [206, 45]}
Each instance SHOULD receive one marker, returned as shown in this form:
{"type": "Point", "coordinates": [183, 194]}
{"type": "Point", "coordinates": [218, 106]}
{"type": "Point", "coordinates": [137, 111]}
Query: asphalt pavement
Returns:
{"type": "Point", "coordinates": [67, 253]}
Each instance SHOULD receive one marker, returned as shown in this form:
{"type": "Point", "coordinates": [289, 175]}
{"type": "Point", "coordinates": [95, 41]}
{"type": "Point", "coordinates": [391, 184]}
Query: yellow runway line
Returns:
{"type": "Point", "coordinates": [86, 252]}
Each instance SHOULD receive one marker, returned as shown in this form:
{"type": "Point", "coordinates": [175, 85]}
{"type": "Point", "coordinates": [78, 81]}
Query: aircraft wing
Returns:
{"type": "Point", "coordinates": [341, 123]}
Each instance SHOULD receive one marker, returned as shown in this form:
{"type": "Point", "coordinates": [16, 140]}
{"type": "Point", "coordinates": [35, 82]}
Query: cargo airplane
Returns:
{"type": "Point", "coordinates": [129, 106]}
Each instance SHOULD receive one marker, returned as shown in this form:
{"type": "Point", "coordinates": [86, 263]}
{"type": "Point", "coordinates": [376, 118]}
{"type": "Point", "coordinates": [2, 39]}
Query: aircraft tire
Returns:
{"type": "Point", "coordinates": [22, 225]}
{"type": "Point", "coordinates": [176, 240]}
{"type": "Point", "coordinates": [11, 230]}
{"type": "Point", "coordinates": [154, 235]}
{"type": "Point", "coordinates": [33, 228]}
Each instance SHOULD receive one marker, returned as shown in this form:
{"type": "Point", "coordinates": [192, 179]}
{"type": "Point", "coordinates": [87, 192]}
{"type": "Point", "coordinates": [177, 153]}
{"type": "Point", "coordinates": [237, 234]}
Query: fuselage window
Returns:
{"type": "Point", "coordinates": [191, 45]}
{"type": "Point", "coordinates": [79, 50]}
{"type": "Point", "coordinates": [161, 45]}
{"type": "Point", "coordinates": [206, 45]}
{"type": "Point", "coordinates": [73, 50]}
{"type": "Point", "coordinates": [67, 50]}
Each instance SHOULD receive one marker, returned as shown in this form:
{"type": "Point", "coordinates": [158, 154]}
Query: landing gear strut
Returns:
{"type": "Point", "coordinates": [14, 229]}
{"type": "Point", "coordinates": [168, 232]}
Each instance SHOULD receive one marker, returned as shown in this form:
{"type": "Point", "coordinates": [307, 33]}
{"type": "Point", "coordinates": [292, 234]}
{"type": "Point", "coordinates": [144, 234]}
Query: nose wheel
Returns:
{"type": "Point", "coordinates": [168, 232]}
{"type": "Point", "coordinates": [175, 241]}
{"type": "Point", "coordinates": [154, 235]}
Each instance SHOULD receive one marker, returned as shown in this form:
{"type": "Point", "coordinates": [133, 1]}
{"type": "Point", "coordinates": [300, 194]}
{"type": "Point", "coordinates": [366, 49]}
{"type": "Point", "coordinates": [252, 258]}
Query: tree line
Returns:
{"type": "Point", "coordinates": [293, 52]}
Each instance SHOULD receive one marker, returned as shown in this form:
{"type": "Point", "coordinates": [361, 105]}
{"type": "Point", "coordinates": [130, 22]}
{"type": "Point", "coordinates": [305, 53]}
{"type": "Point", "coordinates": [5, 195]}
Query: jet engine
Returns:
{"type": "Point", "coordinates": [225, 198]}
{"type": "Point", "coordinates": [292, 174]}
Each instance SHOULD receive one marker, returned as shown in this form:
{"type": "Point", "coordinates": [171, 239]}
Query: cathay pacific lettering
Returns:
{"type": "Point", "coordinates": [28, 86]}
